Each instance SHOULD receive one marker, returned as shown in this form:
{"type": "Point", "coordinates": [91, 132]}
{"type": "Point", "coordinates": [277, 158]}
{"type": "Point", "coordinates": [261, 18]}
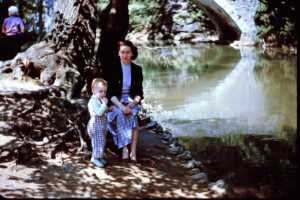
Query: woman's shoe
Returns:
{"type": "Point", "coordinates": [133, 159]}
{"type": "Point", "coordinates": [97, 162]}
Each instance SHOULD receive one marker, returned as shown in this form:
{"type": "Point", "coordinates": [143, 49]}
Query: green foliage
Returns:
{"type": "Point", "coordinates": [182, 18]}
{"type": "Point", "coordinates": [142, 13]}
{"type": "Point", "coordinates": [193, 15]}
{"type": "Point", "coordinates": [276, 21]}
{"type": "Point", "coordinates": [102, 4]}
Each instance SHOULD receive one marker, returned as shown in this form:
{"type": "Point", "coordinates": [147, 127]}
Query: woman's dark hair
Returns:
{"type": "Point", "coordinates": [132, 47]}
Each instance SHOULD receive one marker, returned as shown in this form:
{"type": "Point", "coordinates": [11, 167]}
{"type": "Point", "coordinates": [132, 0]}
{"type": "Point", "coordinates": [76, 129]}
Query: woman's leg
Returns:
{"type": "Point", "coordinates": [135, 134]}
{"type": "Point", "coordinates": [125, 153]}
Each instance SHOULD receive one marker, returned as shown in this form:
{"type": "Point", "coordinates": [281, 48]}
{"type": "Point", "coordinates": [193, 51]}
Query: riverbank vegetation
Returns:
{"type": "Point", "coordinates": [276, 22]}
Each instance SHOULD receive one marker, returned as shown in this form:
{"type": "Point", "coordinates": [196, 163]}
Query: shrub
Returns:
{"type": "Point", "coordinates": [276, 21]}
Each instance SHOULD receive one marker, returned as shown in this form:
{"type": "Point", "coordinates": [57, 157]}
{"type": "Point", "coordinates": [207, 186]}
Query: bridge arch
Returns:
{"type": "Point", "coordinates": [231, 23]}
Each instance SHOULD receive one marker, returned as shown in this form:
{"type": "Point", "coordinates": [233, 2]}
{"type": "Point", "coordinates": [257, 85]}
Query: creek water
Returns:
{"type": "Point", "coordinates": [234, 109]}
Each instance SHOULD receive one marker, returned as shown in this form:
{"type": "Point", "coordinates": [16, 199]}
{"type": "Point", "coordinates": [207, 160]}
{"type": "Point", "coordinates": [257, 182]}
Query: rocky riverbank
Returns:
{"type": "Point", "coordinates": [45, 152]}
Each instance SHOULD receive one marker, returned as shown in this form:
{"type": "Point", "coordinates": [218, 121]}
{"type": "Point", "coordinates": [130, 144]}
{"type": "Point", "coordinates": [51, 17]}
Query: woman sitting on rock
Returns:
{"type": "Point", "coordinates": [125, 92]}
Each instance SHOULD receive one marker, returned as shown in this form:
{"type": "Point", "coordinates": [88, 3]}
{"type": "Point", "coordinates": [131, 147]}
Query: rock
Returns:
{"type": "Point", "coordinates": [159, 129]}
{"type": "Point", "coordinates": [164, 141]}
{"type": "Point", "coordinates": [151, 125]}
{"type": "Point", "coordinates": [184, 36]}
{"type": "Point", "coordinates": [194, 27]}
{"type": "Point", "coordinates": [193, 163]}
{"type": "Point", "coordinates": [218, 187]}
{"type": "Point", "coordinates": [144, 121]}
{"type": "Point", "coordinates": [188, 28]}
{"type": "Point", "coordinates": [166, 133]}
{"type": "Point", "coordinates": [200, 175]}
{"type": "Point", "coordinates": [187, 152]}
{"type": "Point", "coordinates": [175, 140]}
{"type": "Point", "coordinates": [198, 164]}
{"type": "Point", "coordinates": [173, 150]}
{"type": "Point", "coordinates": [189, 165]}
{"type": "Point", "coordinates": [181, 148]}
{"type": "Point", "coordinates": [167, 137]}
{"type": "Point", "coordinates": [172, 145]}
{"type": "Point", "coordinates": [194, 171]}
{"type": "Point", "coordinates": [69, 166]}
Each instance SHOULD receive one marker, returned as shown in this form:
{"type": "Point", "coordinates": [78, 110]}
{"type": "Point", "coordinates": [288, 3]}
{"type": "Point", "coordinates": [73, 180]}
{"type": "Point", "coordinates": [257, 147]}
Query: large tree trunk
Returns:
{"type": "Point", "coordinates": [114, 23]}
{"type": "Point", "coordinates": [67, 51]}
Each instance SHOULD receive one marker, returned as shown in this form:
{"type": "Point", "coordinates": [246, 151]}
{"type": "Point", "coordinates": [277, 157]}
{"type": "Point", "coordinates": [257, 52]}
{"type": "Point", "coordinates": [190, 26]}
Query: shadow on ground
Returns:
{"type": "Point", "coordinates": [157, 175]}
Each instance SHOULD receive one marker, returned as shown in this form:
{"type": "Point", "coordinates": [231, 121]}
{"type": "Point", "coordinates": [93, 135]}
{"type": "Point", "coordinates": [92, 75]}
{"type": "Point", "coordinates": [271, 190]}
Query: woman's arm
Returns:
{"type": "Point", "coordinates": [135, 101]}
{"type": "Point", "coordinates": [125, 109]}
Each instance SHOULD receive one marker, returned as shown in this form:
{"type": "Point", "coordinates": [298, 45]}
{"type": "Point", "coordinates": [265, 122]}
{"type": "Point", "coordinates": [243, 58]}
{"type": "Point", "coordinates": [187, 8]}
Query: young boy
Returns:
{"type": "Point", "coordinates": [97, 125]}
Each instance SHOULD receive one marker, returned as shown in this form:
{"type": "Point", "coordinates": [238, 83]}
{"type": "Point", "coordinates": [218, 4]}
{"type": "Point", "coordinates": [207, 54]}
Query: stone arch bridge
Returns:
{"type": "Point", "coordinates": [232, 18]}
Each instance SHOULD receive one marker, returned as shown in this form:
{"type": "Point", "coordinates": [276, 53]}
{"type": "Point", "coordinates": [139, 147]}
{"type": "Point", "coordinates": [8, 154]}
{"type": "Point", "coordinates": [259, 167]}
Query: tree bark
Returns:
{"type": "Point", "coordinates": [40, 8]}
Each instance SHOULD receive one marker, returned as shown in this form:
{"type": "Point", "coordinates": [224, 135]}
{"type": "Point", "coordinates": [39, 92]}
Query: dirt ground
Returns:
{"type": "Point", "coordinates": [157, 174]}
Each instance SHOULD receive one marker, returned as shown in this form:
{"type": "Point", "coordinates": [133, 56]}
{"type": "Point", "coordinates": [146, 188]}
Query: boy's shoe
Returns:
{"type": "Point", "coordinates": [102, 160]}
{"type": "Point", "coordinates": [97, 162]}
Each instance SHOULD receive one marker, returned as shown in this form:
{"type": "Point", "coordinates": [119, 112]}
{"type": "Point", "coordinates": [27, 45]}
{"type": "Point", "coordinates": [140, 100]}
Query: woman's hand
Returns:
{"type": "Point", "coordinates": [126, 110]}
{"type": "Point", "coordinates": [132, 105]}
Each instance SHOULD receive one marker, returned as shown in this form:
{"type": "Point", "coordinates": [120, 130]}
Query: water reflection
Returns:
{"type": "Point", "coordinates": [236, 91]}
{"type": "Point", "coordinates": [193, 70]}
{"type": "Point", "coordinates": [236, 110]}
